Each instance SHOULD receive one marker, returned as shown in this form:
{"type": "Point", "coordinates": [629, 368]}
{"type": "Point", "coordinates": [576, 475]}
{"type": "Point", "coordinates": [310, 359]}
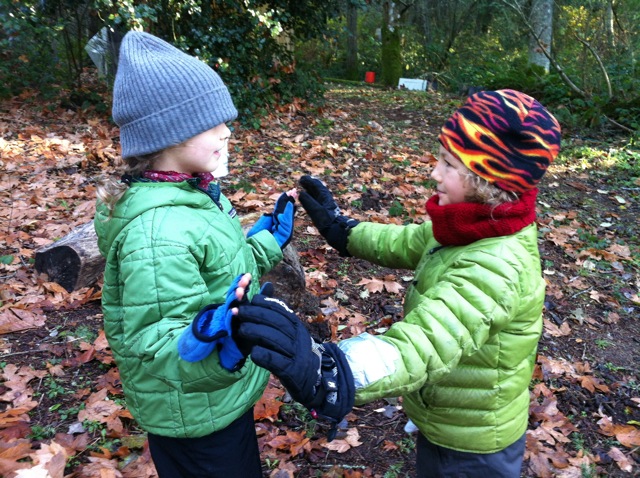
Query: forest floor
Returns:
{"type": "Point", "coordinates": [373, 148]}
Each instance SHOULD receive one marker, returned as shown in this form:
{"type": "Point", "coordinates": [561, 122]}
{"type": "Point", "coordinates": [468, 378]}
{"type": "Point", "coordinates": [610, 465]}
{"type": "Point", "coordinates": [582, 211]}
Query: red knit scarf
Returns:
{"type": "Point", "coordinates": [463, 223]}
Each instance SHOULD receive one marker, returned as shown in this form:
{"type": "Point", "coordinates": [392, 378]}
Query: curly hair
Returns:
{"type": "Point", "coordinates": [110, 190]}
{"type": "Point", "coordinates": [486, 193]}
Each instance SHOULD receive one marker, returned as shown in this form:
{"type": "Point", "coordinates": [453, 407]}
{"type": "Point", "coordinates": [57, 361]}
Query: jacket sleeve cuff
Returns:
{"type": "Point", "coordinates": [266, 251]}
{"type": "Point", "coordinates": [370, 358]}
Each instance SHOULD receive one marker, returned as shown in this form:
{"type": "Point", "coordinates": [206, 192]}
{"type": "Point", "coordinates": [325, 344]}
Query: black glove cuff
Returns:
{"type": "Point", "coordinates": [337, 234]}
{"type": "Point", "coordinates": [336, 392]}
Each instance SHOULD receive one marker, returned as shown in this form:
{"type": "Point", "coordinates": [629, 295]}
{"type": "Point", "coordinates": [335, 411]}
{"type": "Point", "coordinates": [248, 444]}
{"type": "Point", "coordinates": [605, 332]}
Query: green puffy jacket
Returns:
{"type": "Point", "coordinates": [170, 251]}
{"type": "Point", "coordinates": [463, 356]}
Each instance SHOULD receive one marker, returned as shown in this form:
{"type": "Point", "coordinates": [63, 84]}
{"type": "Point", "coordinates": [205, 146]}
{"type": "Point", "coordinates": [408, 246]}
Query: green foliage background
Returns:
{"type": "Point", "coordinates": [274, 52]}
{"type": "Point", "coordinates": [470, 44]}
{"type": "Point", "coordinates": [248, 42]}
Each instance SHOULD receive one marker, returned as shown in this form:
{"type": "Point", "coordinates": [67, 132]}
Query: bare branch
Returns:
{"type": "Point", "coordinates": [556, 66]}
{"type": "Point", "coordinates": [519, 10]}
{"type": "Point", "coordinates": [600, 64]}
{"type": "Point", "coordinates": [621, 126]}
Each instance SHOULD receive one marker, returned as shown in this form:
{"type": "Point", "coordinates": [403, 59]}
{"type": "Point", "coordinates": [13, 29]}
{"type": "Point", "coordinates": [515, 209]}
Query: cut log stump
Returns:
{"type": "Point", "coordinates": [73, 261]}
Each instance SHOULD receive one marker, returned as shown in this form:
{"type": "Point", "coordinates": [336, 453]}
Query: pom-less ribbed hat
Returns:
{"type": "Point", "coordinates": [162, 96]}
{"type": "Point", "coordinates": [505, 137]}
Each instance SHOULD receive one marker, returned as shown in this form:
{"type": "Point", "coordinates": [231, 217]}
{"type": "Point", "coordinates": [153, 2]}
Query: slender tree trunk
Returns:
{"type": "Point", "coordinates": [484, 18]}
{"type": "Point", "coordinates": [609, 21]}
{"type": "Point", "coordinates": [391, 45]}
{"type": "Point", "coordinates": [541, 18]}
{"type": "Point", "coordinates": [426, 20]}
{"type": "Point", "coordinates": [352, 41]}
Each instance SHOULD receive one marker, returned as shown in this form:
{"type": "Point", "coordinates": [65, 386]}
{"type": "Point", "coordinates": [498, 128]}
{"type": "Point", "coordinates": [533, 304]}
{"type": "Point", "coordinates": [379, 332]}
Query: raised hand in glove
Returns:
{"type": "Point", "coordinates": [318, 201]}
{"type": "Point", "coordinates": [211, 328]}
{"type": "Point", "coordinates": [280, 221]}
{"type": "Point", "coordinates": [316, 375]}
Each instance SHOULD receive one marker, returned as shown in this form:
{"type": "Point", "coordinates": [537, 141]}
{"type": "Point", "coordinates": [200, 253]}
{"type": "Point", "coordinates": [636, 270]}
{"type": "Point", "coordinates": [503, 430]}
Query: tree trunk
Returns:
{"type": "Point", "coordinates": [484, 18]}
{"type": "Point", "coordinates": [352, 42]}
{"type": "Point", "coordinates": [391, 46]}
{"type": "Point", "coordinates": [609, 28]}
{"type": "Point", "coordinates": [426, 20]}
{"type": "Point", "coordinates": [541, 19]}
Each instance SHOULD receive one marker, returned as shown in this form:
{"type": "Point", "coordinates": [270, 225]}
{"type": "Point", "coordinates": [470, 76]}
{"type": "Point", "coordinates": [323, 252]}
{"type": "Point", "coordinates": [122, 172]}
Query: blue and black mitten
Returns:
{"type": "Point", "coordinates": [334, 226]}
{"type": "Point", "coordinates": [211, 328]}
{"type": "Point", "coordinates": [279, 222]}
{"type": "Point", "coordinates": [316, 375]}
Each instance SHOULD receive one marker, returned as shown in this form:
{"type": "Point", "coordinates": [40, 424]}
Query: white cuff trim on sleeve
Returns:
{"type": "Point", "coordinates": [370, 358]}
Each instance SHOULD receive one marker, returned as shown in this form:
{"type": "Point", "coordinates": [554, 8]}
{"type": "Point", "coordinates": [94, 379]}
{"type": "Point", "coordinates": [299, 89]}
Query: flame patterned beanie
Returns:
{"type": "Point", "coordinates": [162, 96]}
{"type": "Point", "coordinates": [505, 137]}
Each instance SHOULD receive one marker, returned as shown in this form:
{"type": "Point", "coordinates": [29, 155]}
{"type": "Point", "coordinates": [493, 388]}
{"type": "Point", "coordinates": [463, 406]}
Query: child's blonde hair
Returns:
{"type": "Point", "coordinates": [484, 192]}
{"type": "Point", "coordinates": [110, 189]}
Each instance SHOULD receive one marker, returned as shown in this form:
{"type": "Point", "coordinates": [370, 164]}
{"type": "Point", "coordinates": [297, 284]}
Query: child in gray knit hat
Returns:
{"type": "Point", "coordinates": [177, 261]}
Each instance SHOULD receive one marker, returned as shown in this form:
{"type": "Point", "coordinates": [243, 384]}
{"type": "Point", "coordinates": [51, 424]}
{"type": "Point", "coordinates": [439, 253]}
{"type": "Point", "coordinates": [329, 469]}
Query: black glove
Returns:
{"type": "Point", "coordinates": [318, 201]}
{"type": "Point", "coordinates": [316, 375]}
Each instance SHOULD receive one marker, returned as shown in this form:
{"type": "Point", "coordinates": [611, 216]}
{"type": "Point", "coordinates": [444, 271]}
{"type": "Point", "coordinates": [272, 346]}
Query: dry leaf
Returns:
{"type": "Point", "coordinates": [389, 446]}
{"type": "Point", "coordinates": [14, 320]}
{"type": "Point", "coordinates": [555, 331]}
{"type": "Point", "coordinates": [627, 435]}
{"type": "Point", "coordinates": [623, 461]}
{"type": "Point", "coordinates": [592, 383]}
{"type": "Point", "coordinates": [269, 404]}
{"type": "Point", "coordinates": [351, 440]}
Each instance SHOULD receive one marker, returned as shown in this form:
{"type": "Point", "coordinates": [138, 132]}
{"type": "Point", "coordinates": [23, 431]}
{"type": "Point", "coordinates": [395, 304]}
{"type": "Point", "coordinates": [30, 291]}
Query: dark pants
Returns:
{"type": "Point", "coordinates": [438, 462]}
{"type": "Point", "coordinates": [232, 452]}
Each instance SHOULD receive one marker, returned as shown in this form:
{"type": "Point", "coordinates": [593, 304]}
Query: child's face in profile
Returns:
{"type": "Point", "coordinates": [200, 154]}
{"type": "Point", "coordinates": [450, 175]}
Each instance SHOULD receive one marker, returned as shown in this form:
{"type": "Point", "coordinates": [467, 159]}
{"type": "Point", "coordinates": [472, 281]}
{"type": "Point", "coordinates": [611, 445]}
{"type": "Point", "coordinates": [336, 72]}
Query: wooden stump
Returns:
{"type": "Point", "coordinates": [73, 261]}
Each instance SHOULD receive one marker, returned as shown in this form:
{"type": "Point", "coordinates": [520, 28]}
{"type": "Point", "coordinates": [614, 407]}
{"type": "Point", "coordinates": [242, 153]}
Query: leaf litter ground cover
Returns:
{"type": "Point", "coordinates": [63, 412]}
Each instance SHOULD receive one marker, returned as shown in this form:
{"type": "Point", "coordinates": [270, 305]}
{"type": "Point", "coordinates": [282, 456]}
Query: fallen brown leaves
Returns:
{"type": "Point", "coordinates": [47, 187]}
{"type": "Point", "coordinates": [387, 283]}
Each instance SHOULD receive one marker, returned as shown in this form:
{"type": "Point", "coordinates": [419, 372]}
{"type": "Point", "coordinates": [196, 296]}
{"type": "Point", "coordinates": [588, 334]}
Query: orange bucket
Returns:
{"type": "Point", "coordinates": [370, 77]}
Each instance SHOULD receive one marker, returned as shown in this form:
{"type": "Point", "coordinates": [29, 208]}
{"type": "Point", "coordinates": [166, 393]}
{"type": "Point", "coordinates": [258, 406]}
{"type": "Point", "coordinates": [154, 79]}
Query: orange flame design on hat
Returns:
{"type": "Point", "coordinates": [505, 137]}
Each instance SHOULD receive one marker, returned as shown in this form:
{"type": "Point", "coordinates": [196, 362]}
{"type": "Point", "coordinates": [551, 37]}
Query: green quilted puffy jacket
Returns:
{"type": "Point", "coordinates": [170, 251]}
{"type": "Point", "coordinates": [467, 344]}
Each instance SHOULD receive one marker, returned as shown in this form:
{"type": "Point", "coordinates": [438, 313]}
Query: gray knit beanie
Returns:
{"type": "Point", "coordinates": [162, 96]}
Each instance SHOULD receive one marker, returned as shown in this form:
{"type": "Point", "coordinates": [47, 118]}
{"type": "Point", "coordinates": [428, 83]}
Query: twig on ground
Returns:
{"type": "Point", "coordinates": [581, 292]}
{"type": "Point", "coordinates": [22, 353]}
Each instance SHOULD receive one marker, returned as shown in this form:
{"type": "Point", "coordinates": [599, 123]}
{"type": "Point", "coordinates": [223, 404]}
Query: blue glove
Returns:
{"type": "Point", "coordinates": [211, 328]}
{"type": "Point", "coordinates": [265, 223]}
{"type": "Point", "coordinates": [280, 222]}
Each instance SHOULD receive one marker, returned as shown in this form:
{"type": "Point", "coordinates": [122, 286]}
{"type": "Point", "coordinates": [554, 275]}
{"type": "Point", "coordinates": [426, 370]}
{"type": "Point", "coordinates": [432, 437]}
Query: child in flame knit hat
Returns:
{"type": "Point", "coordinates": [177, 260]}
{"type": "Point", "coordinates": [463, 355]}
{"type": "Point", "coordinates": [505, 137]}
